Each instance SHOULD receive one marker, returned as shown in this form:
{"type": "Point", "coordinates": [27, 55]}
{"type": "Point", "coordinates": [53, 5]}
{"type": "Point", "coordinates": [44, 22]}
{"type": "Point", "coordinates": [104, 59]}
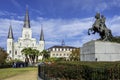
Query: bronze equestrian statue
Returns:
{"type": "Point", "coordinates": [100, 27]}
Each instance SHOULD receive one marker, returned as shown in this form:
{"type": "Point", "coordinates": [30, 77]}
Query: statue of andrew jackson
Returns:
{"type": "Point", "coordinates": [100, 27]}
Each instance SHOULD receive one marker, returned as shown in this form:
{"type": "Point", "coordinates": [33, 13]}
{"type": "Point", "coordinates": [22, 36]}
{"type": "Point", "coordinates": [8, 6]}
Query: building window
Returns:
{"type": "Point", "coordinates": [53, 55]}
{"type": "Point", "coordinates": [67, 54]}
{"type": "Point", "coordinates": [56, 54]}
{"type": "Point", "coordinates": [67, 49]}
{"type": "Point", "coordinates": [70, 49]}
{"type": "Point", "coordinates": [60, 49]}
{"type": "Point", "coordinates": [56, 49]}
{"type": "Point", "coordinates": [60, 54]}
{"type": "Point", "coordinates": [53, 49]}
{"type": "Point", "coordinates": [64, 54]}
{"type": "Point", "coordinates": [64, 49]}
{"type": "Point", "coordinates": [15, 52]}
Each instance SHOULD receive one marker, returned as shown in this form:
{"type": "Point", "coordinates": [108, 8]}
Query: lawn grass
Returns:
{"type": "Point", "coordinates": [8, 72]}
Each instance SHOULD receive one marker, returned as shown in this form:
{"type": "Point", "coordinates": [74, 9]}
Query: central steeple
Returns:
{"type": "Point", "coordinates": [26, 21]}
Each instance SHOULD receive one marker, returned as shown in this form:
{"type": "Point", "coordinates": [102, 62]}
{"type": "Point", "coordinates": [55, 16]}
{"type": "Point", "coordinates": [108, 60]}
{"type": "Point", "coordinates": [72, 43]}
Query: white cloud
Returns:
{"type": "Point", "coordinates": [95, 5]}
{"type": "Point", "coordinates": [16, 3]}
{"type": "Point", "coordinates": [4, 13]}
{"type": "Point", "coordinates": [101, 7]}
{"type": "Point", "coordinates": [74, 31]}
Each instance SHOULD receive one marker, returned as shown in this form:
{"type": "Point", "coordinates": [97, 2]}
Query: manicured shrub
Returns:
{"type": "Point", "coordinates": [74, 71]}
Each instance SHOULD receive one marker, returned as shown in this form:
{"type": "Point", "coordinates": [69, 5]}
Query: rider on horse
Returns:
{"type": "Point", "coordinates": [100, 27]}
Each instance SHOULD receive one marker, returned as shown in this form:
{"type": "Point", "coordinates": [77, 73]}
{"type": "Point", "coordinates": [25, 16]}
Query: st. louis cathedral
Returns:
{"type": "Point", "coordinates": [14, 48]}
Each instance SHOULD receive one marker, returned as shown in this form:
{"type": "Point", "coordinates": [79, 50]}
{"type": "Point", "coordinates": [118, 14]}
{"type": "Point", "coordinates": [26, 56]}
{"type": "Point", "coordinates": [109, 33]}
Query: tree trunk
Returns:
{"type": "Point", "coordinates": [36, 59]}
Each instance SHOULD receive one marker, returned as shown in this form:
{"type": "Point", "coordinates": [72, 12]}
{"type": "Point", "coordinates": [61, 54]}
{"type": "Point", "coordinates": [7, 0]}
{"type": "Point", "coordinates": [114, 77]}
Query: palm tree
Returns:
{"type": "Point", "coordinates": [30, 54]}
{"type": "Point", "coordinates": [25, 51]}
{"type": "Point", "coordinates": [46, 54]}
{"type": "Point", "coordinates": [35, 55]}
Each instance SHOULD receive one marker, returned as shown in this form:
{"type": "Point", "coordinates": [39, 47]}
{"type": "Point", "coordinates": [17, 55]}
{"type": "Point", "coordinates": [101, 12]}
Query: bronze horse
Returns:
{"type": "Point", "coordinates": [100, 27]}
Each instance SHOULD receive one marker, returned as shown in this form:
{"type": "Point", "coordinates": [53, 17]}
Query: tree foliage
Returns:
{"type": "Point", "coordinates": [46, 54]}
{"type": "Point", "coordinates": [30, 54]}
{"type": "Point", "coordinates": [75, 55]}
{"type": "Point", "coordinates": [116, 39]}
{"type": "Point", "coordinates": [3, 55]}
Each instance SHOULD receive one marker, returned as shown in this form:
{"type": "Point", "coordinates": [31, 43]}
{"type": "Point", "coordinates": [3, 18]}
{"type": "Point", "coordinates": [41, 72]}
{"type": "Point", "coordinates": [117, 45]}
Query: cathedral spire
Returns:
{"type": "Point", "coordinates": [41, 35]}
{"type": "Point", "coordinates": [26, 21]}
{"type": "Point", "coordinates": [10, 33]}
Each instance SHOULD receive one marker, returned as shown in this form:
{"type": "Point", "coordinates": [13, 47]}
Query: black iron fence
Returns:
{"type": "Point", "coordinates": [62, 72]}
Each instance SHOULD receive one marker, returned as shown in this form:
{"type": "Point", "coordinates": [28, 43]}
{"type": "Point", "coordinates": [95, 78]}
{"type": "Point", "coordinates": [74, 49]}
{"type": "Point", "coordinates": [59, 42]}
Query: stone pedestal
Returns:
{"type": "Point", "coordinates": [100, 51]}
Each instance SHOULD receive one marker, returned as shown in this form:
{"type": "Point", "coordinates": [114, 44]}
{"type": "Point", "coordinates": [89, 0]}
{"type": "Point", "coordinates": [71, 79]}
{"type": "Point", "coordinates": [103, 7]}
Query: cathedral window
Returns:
{"type": "Point", "coordinates": [15, 52]}
{"type": "Point", "coordinates": [25, 36]}
{"type": "Point", "coordinates": [33, 44]}
{"type": "Point", "coordinates": [10, 43]}
{"type": "Point", "coordinates": [28, 35]}
{"type": "Point", "coordinates": [20, 44]}
{"type": "Point", "coordinates": [10, 51]}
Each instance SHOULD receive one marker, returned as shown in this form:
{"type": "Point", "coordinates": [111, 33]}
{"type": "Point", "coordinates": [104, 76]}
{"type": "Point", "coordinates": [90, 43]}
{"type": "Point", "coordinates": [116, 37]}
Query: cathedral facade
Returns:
{"type": "Point", "coordinates": [14, 48]}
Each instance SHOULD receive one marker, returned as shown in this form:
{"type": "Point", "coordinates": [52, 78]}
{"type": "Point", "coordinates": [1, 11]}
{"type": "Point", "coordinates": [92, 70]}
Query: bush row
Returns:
{"type": "Point", "coordinates": [80, 72]}
{"type": "Point", "coordinates": [5, 65]}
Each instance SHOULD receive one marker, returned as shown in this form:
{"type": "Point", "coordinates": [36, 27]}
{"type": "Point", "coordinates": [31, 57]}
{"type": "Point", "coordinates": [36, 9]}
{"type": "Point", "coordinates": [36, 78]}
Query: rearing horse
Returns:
{"type": "Point", "coordinates": [100, 27]}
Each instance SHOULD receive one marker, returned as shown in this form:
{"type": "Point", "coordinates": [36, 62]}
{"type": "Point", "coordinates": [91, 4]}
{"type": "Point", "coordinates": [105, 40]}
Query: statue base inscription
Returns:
{"type": "Point", "coordinates": [100, 51]}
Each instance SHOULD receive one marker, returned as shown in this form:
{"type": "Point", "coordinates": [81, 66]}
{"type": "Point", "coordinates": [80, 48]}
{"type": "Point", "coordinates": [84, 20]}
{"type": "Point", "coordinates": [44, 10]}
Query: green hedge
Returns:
{"type": "Point", "coordinates": [5, 65]}
{"type": "Point", "coordinates": [74, 71]}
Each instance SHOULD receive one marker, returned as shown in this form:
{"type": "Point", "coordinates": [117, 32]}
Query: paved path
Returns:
{"type": "Point", "coordinates": [31, 75]}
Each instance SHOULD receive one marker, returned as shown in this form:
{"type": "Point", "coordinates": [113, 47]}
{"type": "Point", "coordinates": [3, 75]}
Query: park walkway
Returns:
{"type": "Point", "coordinates": [31, 75]}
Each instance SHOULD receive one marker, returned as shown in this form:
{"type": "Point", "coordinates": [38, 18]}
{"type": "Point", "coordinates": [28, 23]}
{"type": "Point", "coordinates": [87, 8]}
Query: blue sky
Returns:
{"type": "Point", "coordinates": [61, 19]}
